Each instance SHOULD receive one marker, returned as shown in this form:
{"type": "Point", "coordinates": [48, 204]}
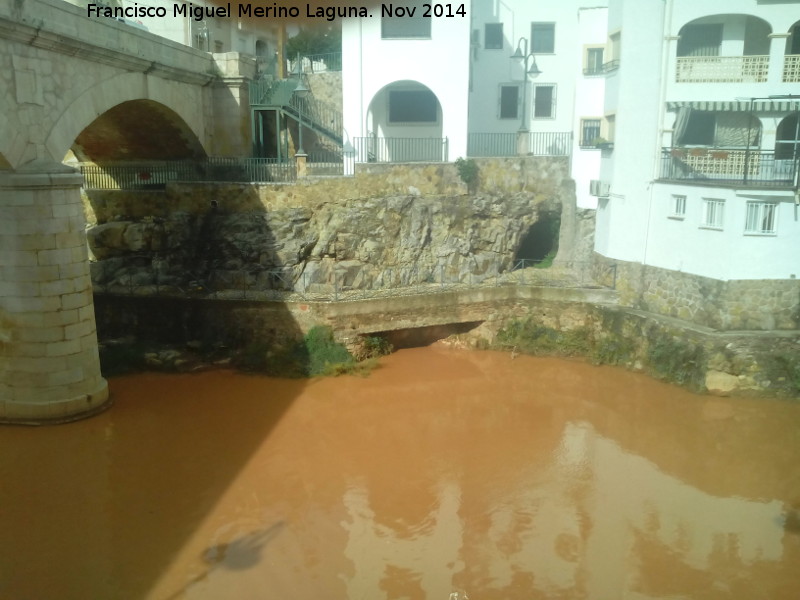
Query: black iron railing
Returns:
{"type": "Point", "coordinates": [540, 143]}
{"type": "Point", "coordinates": [400, 149]}
{"type": "Point", "coordinates": [729, 166]}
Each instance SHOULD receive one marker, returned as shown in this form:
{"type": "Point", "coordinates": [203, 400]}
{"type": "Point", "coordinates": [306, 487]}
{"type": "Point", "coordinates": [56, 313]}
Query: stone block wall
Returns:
{"type": "Point", "coordinates": [49, 364]}
{"type": "Point", "coordinates": [759, 304]}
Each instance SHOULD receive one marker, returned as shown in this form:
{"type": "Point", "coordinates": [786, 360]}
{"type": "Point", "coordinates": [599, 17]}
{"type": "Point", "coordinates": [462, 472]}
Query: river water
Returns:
{"type": "Point", "coordinates": [443, 471]}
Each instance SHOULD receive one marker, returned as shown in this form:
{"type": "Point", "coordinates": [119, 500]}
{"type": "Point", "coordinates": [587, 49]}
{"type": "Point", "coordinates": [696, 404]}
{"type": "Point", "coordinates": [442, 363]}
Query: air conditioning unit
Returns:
{"type": "Point", "coordinates": [599, 188]}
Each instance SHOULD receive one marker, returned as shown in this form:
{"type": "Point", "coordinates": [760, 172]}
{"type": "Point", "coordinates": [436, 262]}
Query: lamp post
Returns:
{"type": "Point", "coordinates": [521, 53]}
{"type": "Point", "coordinates": [300, 92]}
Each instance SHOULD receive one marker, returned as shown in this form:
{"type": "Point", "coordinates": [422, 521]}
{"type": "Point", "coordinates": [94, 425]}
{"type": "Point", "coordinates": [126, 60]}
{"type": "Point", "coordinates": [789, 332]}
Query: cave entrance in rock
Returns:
{"type": "Point", "coordinates": [539, 245]}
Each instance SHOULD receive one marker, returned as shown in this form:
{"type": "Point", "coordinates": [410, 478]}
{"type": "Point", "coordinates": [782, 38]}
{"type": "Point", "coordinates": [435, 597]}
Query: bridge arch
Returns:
{"type": "Point", "coordinates": [110, 110]}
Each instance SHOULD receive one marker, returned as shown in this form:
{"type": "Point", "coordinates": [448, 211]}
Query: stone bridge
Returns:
{"type": "Point", "coordinates": [92, 90]}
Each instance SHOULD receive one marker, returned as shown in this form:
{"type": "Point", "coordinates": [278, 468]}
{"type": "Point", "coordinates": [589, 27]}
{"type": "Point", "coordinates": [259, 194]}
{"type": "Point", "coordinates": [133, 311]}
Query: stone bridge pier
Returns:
{"type": "Point", "coordinates": [49, 363]}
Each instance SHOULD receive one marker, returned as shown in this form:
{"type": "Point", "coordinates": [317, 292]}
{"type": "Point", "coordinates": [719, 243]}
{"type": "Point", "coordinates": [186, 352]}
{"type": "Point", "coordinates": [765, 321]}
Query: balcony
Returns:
{"type": "Point", "coordinates": [722, 69]}
{"type": "Point", "coordinates": [721, 166]}
{"type": "Point", "coordinates": [791, 68]}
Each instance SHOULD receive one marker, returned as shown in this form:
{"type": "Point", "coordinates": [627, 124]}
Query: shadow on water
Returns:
{"type": "Point", "coordinates": [127, 490]}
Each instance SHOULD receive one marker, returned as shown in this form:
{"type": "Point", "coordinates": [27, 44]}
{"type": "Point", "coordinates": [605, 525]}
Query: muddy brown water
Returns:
{"type": "Point", "coordinates": [444, 471]}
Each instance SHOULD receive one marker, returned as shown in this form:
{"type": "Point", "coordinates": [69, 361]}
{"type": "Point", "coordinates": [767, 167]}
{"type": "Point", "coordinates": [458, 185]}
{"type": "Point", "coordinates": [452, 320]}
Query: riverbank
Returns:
{"type": "Point", "coordinates": [541, 321]}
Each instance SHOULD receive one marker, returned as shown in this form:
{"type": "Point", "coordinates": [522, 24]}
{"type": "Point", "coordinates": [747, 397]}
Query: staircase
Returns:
{"type": "Point", "coordinates": [278, 94]}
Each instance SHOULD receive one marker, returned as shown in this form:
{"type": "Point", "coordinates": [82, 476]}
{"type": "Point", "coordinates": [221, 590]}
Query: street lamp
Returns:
{"type": "Point", "coordinates": [522, 54]}
{"type": "Point", "coordinates": [300, 92]}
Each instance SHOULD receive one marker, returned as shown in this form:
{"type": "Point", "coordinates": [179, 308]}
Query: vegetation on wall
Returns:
{"type": "Point", "coordinates": [677, 360]}
{"type": "Point", "coordinates": [528, 336]}
{"type": "Point", "coordinates": [469, 173]}
{"type": "Point", "coordinates": [318, 353]}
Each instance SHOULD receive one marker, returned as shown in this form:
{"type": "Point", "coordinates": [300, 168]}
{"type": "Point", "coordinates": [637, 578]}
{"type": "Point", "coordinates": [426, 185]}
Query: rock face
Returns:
{"type": "Point", "coordinates": [352, 243]}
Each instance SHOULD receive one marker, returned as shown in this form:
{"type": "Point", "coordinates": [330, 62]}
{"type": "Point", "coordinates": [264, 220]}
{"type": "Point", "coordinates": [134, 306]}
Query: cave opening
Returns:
{"type": "Point", "coordinates": [539, 245]}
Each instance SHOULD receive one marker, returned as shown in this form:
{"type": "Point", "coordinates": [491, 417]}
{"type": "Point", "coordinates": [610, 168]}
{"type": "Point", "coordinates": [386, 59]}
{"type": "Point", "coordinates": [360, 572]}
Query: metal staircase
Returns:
{"type": "Point", "coordinates": [278, 94]}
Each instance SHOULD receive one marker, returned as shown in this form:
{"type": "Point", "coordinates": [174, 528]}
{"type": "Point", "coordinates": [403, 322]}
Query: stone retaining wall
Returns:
{"type": "Point", "coordinates": [758, 304]}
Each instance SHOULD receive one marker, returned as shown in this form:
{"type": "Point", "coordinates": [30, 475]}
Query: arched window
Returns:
{"type": "Point", "coordinates": [787, 138]}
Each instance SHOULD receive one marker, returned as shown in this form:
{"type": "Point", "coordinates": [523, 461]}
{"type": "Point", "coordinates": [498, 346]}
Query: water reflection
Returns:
{"type": "Point", "coordinates": [442, 473]}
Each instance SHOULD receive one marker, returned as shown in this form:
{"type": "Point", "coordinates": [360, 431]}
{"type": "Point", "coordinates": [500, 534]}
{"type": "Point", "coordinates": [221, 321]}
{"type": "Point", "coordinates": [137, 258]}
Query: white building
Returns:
{"type": "Point", "coordinates": [406, 79]}
{"type": "Point", "coordinates": [702, 177]}
{"type": "Point", "coordinates": [561, 105]}
{"type": "Point", "coordinates": [452, 82]}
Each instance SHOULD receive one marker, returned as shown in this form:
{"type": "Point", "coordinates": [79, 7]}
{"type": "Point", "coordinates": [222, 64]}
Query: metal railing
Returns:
{"type": "Point", "coordinates": [547, 143]}
{"type": "Point", "coordinates": [318, 115]}
{"type": "Point", "coordinates": [340, 285]}
{"type": "Point", "coordinates": [728, 166]}
{"type": "Point", "coordinates": [315, 114]}
{"type": "Point", "coordinates": [316, 63]}
{"type": "Point", "coordinates": [155, 175]}
{"type": "Point", "coordinates": [540, 143]}
{"type": "Point", "coordinates": [400, 149]}
{"type": "Point", "coordinates": [491, 144]}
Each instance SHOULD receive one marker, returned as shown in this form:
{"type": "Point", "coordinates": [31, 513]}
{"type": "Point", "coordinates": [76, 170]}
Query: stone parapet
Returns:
{"type": "Point", "coordinates": [50, 369]}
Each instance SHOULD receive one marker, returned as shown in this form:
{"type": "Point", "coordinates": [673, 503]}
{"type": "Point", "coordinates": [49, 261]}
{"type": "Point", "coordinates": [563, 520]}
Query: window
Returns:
{"type": "Point", "coordinates": [700, 129]}
{"type": "Point", "coordinates": [678, 206]}
{"type": "Point", "coordinates": [413, 106]}
{"type": "Point", "coordinates": [594, 61]}
{"type": "Point", "coordinates": [590, 132]}
{"type": "Point", "coordinates": [760, 218]}
{"type": "Point", "coordinates": [416, 27]}
{"type": "Point", "coordinates": [509, 101]}
{"type": "Point", "coordinates": [544, 101]}
{"type": "Point", "coordinates": [218, 46]}
{"type": "Point", "coordinates": [493, 36]}
{"type": "Point", "coordinates": [543, 38]}
{"type": "Point", "coordinates": [713, 212]}
{"type": "Point", "coordinates": [700, 40]}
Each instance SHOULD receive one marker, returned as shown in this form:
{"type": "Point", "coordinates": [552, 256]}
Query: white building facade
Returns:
{"type": "Point", "coordinates": [405, 79]}
{"type": "Point", "coordinates": [703, 115]}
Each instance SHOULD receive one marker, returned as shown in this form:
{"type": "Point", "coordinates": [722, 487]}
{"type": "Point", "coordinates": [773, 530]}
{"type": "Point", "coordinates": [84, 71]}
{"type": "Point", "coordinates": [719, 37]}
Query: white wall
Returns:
{"type": "Point", "coordinates": [492, 67]}
{"type": "Point", "coordinates": [726, 253]}
{"type": "Point", "coordinates": [634, 94]}
{"type": "Point", "coordinates": [589, 92]}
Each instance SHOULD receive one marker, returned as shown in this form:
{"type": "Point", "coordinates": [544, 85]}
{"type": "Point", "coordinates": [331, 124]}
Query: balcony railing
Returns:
{"type": "Point", "coordinates": [791, 68]}
{"type": "Point", "coordinates": [728, 166]}
{"type": "Point", "coordinates": [540, 143]}
{"type": "Point", "coordinates": [721, 69]}
{"type": "Point", "coordinates": [491, 144]}
{"type": "Point", "coordinates": [156, 174]}
{"type": "Point", "coordinates": [316, 63]}
{"type": "Point", "coordinates": [400, 149]}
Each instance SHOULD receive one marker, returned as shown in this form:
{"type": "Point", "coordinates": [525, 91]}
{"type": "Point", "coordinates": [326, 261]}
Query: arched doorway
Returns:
{"type": "Point", "coordinates": [787, 138]}
{"type": "Point", "coordinates": [404, 124]}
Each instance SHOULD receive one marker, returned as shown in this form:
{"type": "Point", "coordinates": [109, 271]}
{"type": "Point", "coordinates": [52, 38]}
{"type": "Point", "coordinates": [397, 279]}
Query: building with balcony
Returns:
{"type": "Point", "coordinates": [702, 110]}
{"type": "Point", "coordinates": [417, 88]}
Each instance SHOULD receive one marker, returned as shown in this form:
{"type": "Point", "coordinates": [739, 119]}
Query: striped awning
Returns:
{"type": "Point", "coordinates": [777, 105]}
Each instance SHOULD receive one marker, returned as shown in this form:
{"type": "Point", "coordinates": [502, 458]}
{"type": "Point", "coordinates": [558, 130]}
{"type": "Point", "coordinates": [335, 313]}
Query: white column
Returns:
{"type": "Point", "coordinates": [777, 51]}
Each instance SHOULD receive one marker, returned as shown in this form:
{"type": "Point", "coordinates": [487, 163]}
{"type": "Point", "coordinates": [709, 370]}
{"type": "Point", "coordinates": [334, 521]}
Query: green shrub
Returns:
{"type": "Point", "coordinates": [469, 173]}
{"type": "Point", "coordinates": [676, 360]}
{"type": "Point", "coordinates": [530, 337]}
{"type": "Point", "coordinates": [323, 352]}
{"type": "Point", "coordinates": [374, 346]}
